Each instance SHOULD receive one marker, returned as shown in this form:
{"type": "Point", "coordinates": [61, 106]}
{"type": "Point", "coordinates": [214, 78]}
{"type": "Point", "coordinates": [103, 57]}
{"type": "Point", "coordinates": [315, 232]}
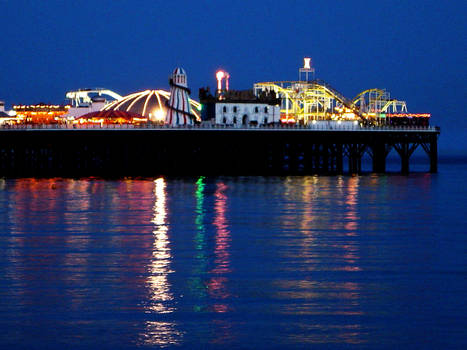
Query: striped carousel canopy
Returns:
{"type": "Point", "coordinates": [147, 103]}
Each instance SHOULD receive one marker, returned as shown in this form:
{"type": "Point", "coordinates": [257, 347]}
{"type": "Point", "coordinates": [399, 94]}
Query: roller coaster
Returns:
{"type": "Point", "coordinates": [307, 101]}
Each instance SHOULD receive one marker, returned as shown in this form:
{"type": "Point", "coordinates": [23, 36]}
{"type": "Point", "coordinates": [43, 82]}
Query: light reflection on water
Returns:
{"type": "Point", "coordinates": [219, 262]}
{"type": "Point", "coordinates": [217, 285]}
{"type": "Point", "coordinates": [322, 215]}
{"type": "Point", "coordinates": [156, 332]}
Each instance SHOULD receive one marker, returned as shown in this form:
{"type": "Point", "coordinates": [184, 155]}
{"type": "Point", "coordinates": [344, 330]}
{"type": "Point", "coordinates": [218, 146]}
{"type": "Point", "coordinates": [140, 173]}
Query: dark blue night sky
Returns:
{"type": "Point", "coordinates": [415, 49]}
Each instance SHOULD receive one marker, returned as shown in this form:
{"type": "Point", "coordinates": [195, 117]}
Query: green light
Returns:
{"type": "Point", "coordinates": [200, 264]}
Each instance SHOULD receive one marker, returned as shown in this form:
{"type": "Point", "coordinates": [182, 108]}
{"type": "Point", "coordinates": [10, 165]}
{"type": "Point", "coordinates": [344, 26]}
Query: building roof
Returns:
{"type": "Point", "coordinates": [145, 103]}
{"type": "Point", "coordinates": [179, 71]}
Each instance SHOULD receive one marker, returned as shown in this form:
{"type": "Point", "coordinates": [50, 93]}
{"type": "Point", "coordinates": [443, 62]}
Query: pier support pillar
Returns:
{"type": "Point", "coordinates": [339, 159]}
{"type": "Point", "coordinates": [431, 149]}
{"type": "Point", "coordinates": [326, 156]}
{"type": "Point", "coordinates": [405, 150]}
{"type": "Point", "coordinates": [354, 153]}
{"type": "Point", "coordinates": [380, 152]}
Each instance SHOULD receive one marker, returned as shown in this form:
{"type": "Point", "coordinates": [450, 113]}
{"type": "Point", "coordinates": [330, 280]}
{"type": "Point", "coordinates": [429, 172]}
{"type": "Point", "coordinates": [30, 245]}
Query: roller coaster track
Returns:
{"type": "Point", "coordinates": [379, 93]}
{"type": "Point", "coordinates": [332, 92]}
{"type": "Point", "coordinates": [315, 85]}
{"type": "Point", "coordinates": [298, 93]}
{"type": "Point", "coordinates": [381, 96]}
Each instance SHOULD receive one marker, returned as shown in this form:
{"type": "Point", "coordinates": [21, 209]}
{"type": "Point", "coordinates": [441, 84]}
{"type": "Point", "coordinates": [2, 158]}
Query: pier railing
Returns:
{"type": "Point", "coordinates": [311, 127]}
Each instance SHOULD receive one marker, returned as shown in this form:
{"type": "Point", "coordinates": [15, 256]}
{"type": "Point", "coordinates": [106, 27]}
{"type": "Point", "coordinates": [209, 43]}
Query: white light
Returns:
{"type": "Point", "coordinates": [159, 115]}
{"type": "Point", "coordinates": [307, 63]}
{"type": "Point", "coordinates": [220, 75]}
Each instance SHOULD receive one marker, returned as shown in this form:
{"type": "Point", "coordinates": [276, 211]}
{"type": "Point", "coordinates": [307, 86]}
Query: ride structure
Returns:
{"type": "Point", "coordinates": [178, 107]}
{"type": "Point", "coordinates": [83, 97]}
{"type": "Point", "coordinates": [308, 101]}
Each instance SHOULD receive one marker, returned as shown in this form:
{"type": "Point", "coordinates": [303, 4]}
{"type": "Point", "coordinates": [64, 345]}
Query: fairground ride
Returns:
{"type": "Point", "coordinates": [84, 97]}
{"type": "Point", "coordinates": [305, 101]}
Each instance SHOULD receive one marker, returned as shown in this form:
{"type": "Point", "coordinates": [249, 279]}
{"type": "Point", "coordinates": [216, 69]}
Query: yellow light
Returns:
{"type": "Point", "coordinates": [159, 115]}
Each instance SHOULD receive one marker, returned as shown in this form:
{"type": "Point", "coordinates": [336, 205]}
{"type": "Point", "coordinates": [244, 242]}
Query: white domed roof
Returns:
{"type": "Point", "coordinates": [147, 102]}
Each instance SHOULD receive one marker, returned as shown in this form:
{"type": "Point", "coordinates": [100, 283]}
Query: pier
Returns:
{"type": "Point", "coordinates": [119, 151]}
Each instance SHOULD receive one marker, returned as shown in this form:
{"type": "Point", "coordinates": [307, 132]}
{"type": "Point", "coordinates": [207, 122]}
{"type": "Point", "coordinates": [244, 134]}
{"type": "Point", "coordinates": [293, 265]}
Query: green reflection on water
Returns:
{"type": "Point", "coordinates": [200, 264]}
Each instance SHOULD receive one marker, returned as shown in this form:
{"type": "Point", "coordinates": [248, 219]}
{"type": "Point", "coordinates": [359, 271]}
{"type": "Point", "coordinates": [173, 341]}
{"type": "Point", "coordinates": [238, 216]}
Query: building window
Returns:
{"type": "Point", "coordinates": [235, 119]}
{"type": "Point", "coordinates": [265, 120]}
{"type": "Point", "coordinates": [256, 109]}
{"type": "Point", "coordinates": [224, 120]}
{"type": "Point", "coordinates": [224, 109]}
{"type": "Point", "coordinates": [265, 109]}
{"type": "Point", "coordinates": [235, 109]}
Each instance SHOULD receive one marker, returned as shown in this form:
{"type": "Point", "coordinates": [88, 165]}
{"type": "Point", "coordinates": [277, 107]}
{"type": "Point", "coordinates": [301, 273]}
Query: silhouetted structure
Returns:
{"type": "Point", "coordinates": [205, 151]}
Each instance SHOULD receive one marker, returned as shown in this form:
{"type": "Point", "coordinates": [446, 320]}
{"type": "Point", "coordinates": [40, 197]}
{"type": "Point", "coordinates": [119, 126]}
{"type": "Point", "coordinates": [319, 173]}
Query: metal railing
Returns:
{"type": "Point", "coordinates": [311, 127]}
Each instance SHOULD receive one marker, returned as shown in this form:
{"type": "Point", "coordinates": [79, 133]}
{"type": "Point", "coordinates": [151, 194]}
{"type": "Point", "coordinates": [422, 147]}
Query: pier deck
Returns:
{"type": "Point", "coordinates": [124, 150]}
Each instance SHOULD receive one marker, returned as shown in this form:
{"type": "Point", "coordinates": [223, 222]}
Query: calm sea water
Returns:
{"type": "Point", "coordinates": [295, 262]}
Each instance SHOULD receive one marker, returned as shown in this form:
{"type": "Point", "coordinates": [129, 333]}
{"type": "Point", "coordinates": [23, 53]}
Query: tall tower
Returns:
{"type": "Point", "coordinates": [178, 107]}
{"type": "Point", "coordinates": [306, 70]}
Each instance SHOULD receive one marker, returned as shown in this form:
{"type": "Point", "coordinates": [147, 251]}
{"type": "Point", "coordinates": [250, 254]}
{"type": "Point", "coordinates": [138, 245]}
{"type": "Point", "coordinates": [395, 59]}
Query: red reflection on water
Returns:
{"type": "Point", "coordinates": [223, 333]}
{"type": "Point", "coordinates": [222, 233]}
{"type": "Point", "coordinates": [217, 285]}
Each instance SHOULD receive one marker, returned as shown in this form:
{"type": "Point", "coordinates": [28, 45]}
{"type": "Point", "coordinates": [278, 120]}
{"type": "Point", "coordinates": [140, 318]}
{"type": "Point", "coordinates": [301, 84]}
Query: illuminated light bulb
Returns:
{"type": "Point", "coordinates": [307, 63]}
{"type": "Point", "coordinates": [220, 75]}
{"type": "Point", "coordinates": [159, 115]}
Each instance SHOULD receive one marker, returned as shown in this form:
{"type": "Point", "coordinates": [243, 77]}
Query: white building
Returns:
{"type": "Point", "coordinates": [238, 107]}
{"type": "Point", "coordinates": [246, 113]}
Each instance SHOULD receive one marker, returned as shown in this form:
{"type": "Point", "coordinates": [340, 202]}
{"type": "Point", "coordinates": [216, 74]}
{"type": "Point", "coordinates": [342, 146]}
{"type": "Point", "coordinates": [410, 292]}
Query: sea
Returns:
{"type": "Point", "coordinates": [301, 262]}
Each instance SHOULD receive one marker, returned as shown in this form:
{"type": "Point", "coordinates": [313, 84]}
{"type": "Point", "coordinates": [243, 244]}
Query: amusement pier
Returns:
{"type": "Point", "coordinates": [300, 127]}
